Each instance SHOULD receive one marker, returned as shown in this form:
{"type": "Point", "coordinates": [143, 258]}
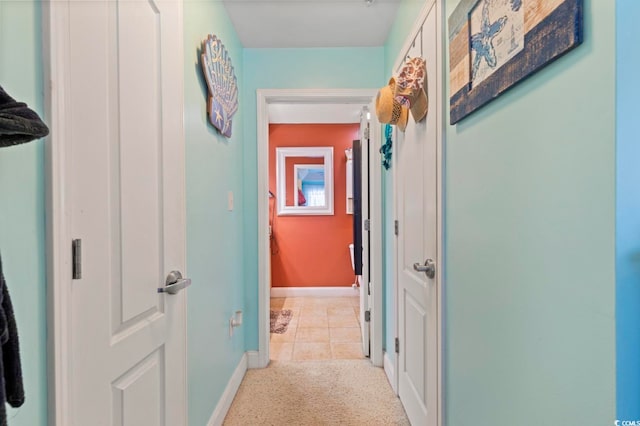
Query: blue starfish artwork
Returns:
{"type": "Point", "coordinates": [482, 42]}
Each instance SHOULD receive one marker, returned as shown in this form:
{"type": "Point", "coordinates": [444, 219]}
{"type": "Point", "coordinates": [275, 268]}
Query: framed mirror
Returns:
{"type": "Point", "coordinates": [304, 180]}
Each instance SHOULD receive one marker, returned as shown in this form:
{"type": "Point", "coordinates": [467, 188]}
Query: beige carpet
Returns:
{"type": "Point", "coordinates": [315, 393]}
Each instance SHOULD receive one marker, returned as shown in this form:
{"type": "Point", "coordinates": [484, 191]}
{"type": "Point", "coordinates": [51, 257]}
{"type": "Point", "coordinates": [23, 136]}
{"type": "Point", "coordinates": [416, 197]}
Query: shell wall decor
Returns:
{"type": "Point", "coordinates": [221, 81]}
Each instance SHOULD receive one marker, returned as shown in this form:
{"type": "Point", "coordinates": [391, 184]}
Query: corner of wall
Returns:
{"type": "Point", "coordinates": [627, 213]}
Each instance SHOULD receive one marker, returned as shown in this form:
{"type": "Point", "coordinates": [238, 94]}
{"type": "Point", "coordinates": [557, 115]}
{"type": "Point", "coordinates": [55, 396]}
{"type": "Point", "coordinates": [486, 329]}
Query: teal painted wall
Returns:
{"type": "Point", "coordinates": [22, 206]}
{"type": "Point", "coordinates": [214, 234]}
{"type": "Point", "coordinates": [353, 68]}
{"type": "Point", "coordinates": [530, 238]}
{"type": "Point", "coordinates": [408, 12]}
{"type": "Point", "coordinates": [627, 212]}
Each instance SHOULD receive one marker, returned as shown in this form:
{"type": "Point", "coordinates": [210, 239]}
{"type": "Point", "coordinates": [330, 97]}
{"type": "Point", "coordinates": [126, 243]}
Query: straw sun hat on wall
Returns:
{"type": "Point", "coordinates": [388, 109]}
{"type": "Point", "coordinates": [404, 93]}
{"type": "Point", "coordinates": [410, 89]}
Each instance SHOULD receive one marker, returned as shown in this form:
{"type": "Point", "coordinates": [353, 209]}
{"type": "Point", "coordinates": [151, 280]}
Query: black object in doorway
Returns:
{"type": "Point", "coordinates": [357, 207]}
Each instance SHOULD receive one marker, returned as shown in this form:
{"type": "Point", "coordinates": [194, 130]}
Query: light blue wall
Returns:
{"type": "Point", "coordinates": [628, 211]}
{"type": "Point", "coordinates": [408, 12]}
{"type": "Point", "coordinates": [214, 234]}
{"type": "Point", "coordinates": [22, 210]}
{"type": "Point", "coordinates": [530, 237]}
{"type": "Point", "coordinates": [354, 68]}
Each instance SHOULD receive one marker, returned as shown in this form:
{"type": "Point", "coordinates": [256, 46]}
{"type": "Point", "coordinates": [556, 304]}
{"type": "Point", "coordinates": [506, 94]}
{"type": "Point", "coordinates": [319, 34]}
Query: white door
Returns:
{"type": "Point", "coordinates": [369, 160]}
{"type": "Point", "coordinates": [364, 279]}
{"type": "Point", "coordinates": [125, 201]}
{"type": "Point", "coordinates": [416, 191]}
{"type": "Point", "coordinates": [361, 237]}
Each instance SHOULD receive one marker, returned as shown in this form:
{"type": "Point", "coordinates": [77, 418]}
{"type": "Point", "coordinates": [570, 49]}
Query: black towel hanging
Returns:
{"type": "Point", "coordinates": [11, 389]}
{"type": "Point", "coordinates": [18, 123]}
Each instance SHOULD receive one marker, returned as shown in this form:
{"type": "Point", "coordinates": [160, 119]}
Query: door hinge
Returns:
{"type": "Point", "coordinates": [367, 225]}
{"type": "Point", "coordinates": [366, 132]}
{"type": "Point", "coordinates": [76, 259]}
{"type": "Point", "coordinates": [397, 345]}
{"type": "Point", "coordinates": [396, 227]}
{"type": "Point", "coordinates": [367, 316]}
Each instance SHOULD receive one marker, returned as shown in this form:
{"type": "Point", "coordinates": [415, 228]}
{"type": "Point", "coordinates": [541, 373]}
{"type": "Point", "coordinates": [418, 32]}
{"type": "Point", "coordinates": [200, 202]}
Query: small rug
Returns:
{"type": "Point", "coordinates": [280, 320]}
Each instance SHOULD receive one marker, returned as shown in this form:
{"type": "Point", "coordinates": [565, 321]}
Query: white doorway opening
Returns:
{"type": "Point", "coordinates": [311, 97]}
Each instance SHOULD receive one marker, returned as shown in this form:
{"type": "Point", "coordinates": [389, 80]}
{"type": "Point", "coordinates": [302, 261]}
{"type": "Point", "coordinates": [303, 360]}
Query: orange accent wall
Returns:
{"type": "Point", "coordinates": [312, 251]}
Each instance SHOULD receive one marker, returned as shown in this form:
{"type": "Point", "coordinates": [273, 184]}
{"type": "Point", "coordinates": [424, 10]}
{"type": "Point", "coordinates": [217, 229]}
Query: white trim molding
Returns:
{"type": "Point", "coordinates": [390, 371]}
{"type": "Point", "coordinates": [55, 49]}
{"type": "Point", "coordinates": [253, 360]}
{"type": "Point", "coordinates": [442, 100]}
{"type": "Point", "coordinates": [221, 410]}
{"type": "Point", "coordinates": [266, 97]}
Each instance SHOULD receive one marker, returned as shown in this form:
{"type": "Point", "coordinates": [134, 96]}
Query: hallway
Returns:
{"type": "Point", "coordinates": [317, 374]}
{"type": "Point", "coordinates": [537, 184]}
{"type": "Point", "coordinates": [334, 392]}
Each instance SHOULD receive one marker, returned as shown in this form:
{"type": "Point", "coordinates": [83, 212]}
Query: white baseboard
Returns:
{"type": "Point", "coordinates": [255, 361]}
{"type": "Point", "coordinates": [229, 393]}
{"type": "Point", "coordinates": [314, 291]}
{"type": "Point", "coordinates": [390, 372]}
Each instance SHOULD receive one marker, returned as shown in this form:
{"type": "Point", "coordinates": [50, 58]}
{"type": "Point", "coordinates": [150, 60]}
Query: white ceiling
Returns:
{"type": "Point", "coordinates": [316, 113]}
{"type": "Point", "coordinates": [311, 23]}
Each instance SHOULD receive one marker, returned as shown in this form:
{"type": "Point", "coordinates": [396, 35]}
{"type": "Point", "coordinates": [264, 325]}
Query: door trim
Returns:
{"type": "Point", "coordinates": [312, 96]}
{"type": "Point", "coordinates": [440, 147]}
{"type": "Point", "coordinates": [56, 63]}
{"type": "Point", "coordinates": [55, 34]}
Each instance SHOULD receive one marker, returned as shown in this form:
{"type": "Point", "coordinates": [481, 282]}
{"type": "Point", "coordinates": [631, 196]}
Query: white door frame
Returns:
{"type": "Point", "coordinates": [440, 146]}
{"type": "Point", "coordinates": [312, 96]}
{"type": "Point", "coordinates": [56, 63]}
{"type": "Point", "coordinates": [55, 20]}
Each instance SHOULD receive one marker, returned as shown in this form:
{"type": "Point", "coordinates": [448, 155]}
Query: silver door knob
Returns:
{"type": "Point", "coordinates": [174, 283]}
{"type": "Point", "coordinates": [429, 268]}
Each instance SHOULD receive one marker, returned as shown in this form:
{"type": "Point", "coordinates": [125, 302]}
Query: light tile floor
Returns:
{"type": "Point", "coordinates": [321, 328]}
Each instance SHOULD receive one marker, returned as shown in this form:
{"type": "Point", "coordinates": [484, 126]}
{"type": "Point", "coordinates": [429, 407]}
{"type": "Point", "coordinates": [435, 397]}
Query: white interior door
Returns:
{"type": "Point", "coordinates": [416, 189]}
{"type": "Point", "coordinates": [125, 201]}
{"type": "Point", "coordinates": [365, 278]}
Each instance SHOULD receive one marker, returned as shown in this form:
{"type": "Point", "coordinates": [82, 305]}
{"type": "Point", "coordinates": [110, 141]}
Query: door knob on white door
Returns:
{"type": "Point", "coordinates": [174, 283]}
{"type": "Point", "coordinates": [429, 268]}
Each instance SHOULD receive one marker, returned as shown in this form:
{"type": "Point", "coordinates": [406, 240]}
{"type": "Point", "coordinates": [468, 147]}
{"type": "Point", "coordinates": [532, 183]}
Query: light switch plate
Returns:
{"type": "Point", "coordinates": [230, 201]}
